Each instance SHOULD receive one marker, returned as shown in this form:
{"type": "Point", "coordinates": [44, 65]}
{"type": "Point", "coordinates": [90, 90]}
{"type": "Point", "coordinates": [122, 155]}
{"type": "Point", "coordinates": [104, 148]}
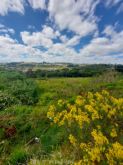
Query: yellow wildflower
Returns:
{"type": "Point", "coordinates": [99, 138]}
{"type": "Point", "coordinates": [89, 108]}
{"type": "Point", "coordinates": [79, 101]}
{"type": "Point", "coordinates": [51, 112]}
{"type": "Point", "coordinates": [90, 95]}
{"type": "Point", "coordinates": [95, 154]}
{"type": "Point", "coordinates": [115, 153]}
{"type": "Point", "coordinates": [113, 133]}
{"type": "Point", "coordinates": [99, 97]}
{"type": "Point", "coordinates": [61, 122]}
{"type": "Point", "coordinates": [118, 150]}
{"type": "Point", "coordinates": [83, 145]}
{"type": "Point", "coordinates": [78, 163]}
{"type": "Point", "coordinates": [105, 93]}
{"type": "Point", "coordinates": [111, 113]}
{"type": "Point", "coordinates": [88, 139]}
{"type": "Point", "coordinates": [73, 109]}
{"type": "Point", "coordinates": [72, 140]}
{"type": "Point", "coordinates": [95, 115]}
{"type": "Point", "coordinates": [80, 119]}
{"type": "Point", "coordinates": [55, 120]}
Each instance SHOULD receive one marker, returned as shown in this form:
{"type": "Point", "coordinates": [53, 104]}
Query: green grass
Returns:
{"type": "Point", "coordinates": [116, 87]}
{"type": "Point", "coordinates": [31, 121]}
{"type": "Point", "coordinates": [60, 88]}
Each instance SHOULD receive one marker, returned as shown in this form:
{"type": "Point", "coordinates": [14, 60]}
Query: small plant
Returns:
{"type": "Point", "coordinates": [18, 156]}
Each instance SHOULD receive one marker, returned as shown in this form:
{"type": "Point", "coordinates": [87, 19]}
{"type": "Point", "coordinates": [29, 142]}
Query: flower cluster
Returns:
{"type": "Point", "coordinates": [95, 127]}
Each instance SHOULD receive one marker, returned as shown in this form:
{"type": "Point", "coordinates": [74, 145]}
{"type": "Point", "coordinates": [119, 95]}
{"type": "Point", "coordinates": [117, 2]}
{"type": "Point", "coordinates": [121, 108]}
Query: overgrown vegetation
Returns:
{"type": "Point", "coordinates": [26, 133]}
{"type": "Point", "coordinates": [93, 126]}
{"type": "Point", "coordinates": [14, 85]}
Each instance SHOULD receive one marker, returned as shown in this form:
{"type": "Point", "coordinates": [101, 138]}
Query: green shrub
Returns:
{"type": "Point", "coordinates": [26, 91]}
{"type": "Point", "coordinates": [94, 127]}
{"type": "Point", "coordinates": [6, 100]}
{"type": "Point", "coordinates": [18, 156]}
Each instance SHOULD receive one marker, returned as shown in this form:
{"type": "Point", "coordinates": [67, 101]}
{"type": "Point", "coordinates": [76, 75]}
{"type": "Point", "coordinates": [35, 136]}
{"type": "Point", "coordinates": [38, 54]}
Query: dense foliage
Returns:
{"type": "Point", "coordinates": [94, 127]}
{"type": "Point", "coordinates": [14, 85]}
{"type": "Point", "coordinates": [70, 71]}
{"type": "Point", "coordinates": [6, 100]}
{"type": "Point", "coordinates": [24, 103]}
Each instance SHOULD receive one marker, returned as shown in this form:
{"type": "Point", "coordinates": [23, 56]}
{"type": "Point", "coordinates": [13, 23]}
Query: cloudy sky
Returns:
{"type": "Point", "coordinates": [77, 31]}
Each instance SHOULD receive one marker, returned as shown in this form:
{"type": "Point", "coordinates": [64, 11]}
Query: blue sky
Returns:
{"type": "Point", "coordinates": [77, 31]}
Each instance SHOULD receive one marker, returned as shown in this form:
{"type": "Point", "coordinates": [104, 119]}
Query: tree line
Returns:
{"type": "Point", "coordinates": [70, 71]}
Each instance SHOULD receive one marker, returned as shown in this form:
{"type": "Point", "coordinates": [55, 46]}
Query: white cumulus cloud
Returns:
{"type": "Point", "coordinates": [77, 16]}
{"type": "Point", "coordinates": [11, 6]}
{"type": "Point", "coordinates": [105, 46]}
{"type": "Point", "coordinates": [36, 39]}
{"type": "Point", "coordinates": [37, 4]}
{"type": "Point", "coordinates": [6, 30]}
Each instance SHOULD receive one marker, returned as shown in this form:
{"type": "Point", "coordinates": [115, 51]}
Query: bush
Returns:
{"type": "Point", "coordinates": [6, 100]}
{"type": "Point", "coordinates": [18, 156]}
{"type": "Point", "coordinates": [94, 127]}
{"type": "Point", "coordinates": [25, 91]}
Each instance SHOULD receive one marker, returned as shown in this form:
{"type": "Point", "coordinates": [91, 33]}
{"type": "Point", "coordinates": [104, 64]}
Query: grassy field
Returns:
{"type": "Point", "coordinates": [32, 121]}
{"type": "Point", "coordinates": [60, 88]}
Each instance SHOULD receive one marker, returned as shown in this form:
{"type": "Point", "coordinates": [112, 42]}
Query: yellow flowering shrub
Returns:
{"type": "Point", "coordinates": [94, 125]}
{"type": "Point", "coordinates": [72, 140]}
